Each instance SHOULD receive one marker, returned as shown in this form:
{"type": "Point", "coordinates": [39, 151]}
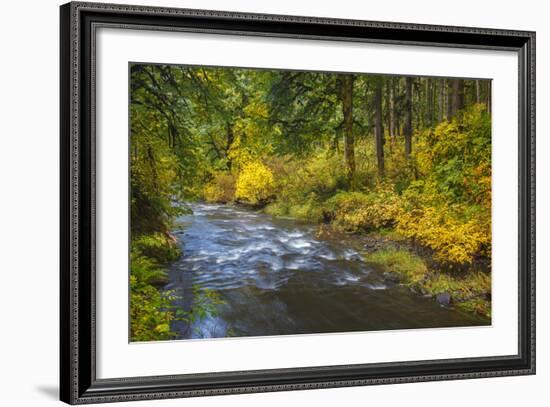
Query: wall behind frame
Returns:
{"type": "Point", "coordinates": [29, 162]}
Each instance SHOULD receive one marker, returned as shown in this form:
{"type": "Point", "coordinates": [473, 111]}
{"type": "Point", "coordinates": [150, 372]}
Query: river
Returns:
{"type": "Point", "coordinates": [276, 277]}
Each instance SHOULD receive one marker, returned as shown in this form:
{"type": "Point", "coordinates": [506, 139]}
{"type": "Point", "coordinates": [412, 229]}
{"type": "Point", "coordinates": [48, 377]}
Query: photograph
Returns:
{"type": "Point", "coordinates": [272, 200]}
{"type": "Point", "coordinates": [282, 202]}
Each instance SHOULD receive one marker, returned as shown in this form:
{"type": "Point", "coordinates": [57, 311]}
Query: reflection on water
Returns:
{"type": "Point", "coordinates": [276, 278]}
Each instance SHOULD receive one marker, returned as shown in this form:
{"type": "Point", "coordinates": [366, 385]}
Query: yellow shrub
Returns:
{"type": "Point", "coordinates": [454, 241]}
{"type": "Point", "coordinates": [220, 189]}
{"type": "Point", "coordinates": [255, 184]}
{"type": "Point", "coordinates": [356, 211]}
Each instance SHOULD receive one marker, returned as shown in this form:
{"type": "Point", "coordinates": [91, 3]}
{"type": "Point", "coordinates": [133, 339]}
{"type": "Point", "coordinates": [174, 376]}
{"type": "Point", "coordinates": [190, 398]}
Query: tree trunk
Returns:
{"type": "Point", "coordinates": [478, 97]}
{"type": "Point", "coordinates": [489, 87]}
{"type": "Point", "coordinates": [430, 101]}
{"type": "Point", "coordinates": [378, 128]}
{"type": "Point", "coordinates": [229, 141]}
{"type": "Point", "coordinates": [440, 113]}
{"type": "Point", "coordinates": [393, 127]}
{"type": "Point", "coordinates": [449, 100]}
{"type": "Point", "coordinates": [458, 95]}
{"type": "Point", "coordinates": [346, 95]}
{"type": "Point", "coordinates": [409, 114]}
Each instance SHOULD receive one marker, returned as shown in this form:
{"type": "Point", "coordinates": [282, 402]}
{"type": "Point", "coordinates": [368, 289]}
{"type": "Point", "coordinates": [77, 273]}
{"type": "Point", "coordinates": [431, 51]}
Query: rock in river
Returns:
{"type": "Point", "coordinates": [444, 299]}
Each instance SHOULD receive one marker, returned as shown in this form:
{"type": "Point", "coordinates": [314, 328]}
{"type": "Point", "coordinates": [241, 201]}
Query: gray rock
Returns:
{"type": "Point", "coordinates": [391, 277]}
{"type": "Point", "coordinates": [443, 299]}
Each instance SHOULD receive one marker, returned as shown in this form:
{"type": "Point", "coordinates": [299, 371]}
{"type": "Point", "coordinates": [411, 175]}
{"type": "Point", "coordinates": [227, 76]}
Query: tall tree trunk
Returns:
{"type": "Point", "coordinates": [489, 98]}
{"type": "Point", "coordinates": [229, 141]}
{"type": "Point", "coordinates": [478, 95]}
{"type": "Point", "coordinates": [378, 128]}
{"type": "Point", "coordinates": [427, 103]}
{"type": "Point", "coordinates": [386, 109]}
{"type": "Point", "coordinates": [430, 101]}
{"type": "Point", "coordinates": [458, 95]}
{"type": "Point", "coordinates": [393, 127]}
{"type": "Point", "coordinates": [440, 113]}
{"type": "Point", "coordinates": [449, 100]}
{"type": "Point", "coordinates": [346, 96]}
{"type": "Point", "coordinates": [408, 119]}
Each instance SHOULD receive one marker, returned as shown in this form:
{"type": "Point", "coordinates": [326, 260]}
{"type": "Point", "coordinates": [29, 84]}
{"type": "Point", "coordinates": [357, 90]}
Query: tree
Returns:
{"type": "Point", "coordinates": [441, 110]}
{"type": "Point", "coordinates": [378, 127]}
{"type": "Point", "coordinates": [346, 95]}
{"type": "Point", "coordinates": [409, 114]}
{"type": "Point", "coordinates": [392, 112]}
{"type": "Point", "coordinates": [449, 100]}
{"type": "Point", "coordinates": [457, 96]}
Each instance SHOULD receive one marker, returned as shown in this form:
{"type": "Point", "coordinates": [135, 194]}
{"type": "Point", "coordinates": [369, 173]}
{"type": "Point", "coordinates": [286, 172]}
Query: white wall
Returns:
{"type": "Point", "coordinates": [29, 201]}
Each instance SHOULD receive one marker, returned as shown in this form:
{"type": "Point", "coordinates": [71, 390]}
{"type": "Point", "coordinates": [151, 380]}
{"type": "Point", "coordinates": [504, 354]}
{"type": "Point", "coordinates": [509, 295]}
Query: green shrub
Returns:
{"type": "Point", "coordinates": [160, 247]}
{"type": "Point", "coordinates": [150, 314]}
{"type": "Point", "coordinates": [278, 209]}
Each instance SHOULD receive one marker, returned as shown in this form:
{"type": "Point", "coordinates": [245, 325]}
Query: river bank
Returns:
{"type": "Point", "coordinates": [413, 265]}
{"type": "Point", "coordinates": [280, 276]}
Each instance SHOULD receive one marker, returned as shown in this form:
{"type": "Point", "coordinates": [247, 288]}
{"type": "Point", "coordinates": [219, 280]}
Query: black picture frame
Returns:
{"type": "Point", "coordinates": [78, 382]}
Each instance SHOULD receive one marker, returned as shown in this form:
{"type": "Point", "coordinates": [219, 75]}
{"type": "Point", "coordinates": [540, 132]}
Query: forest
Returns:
{"type": "Point", "coordinates": [399, 164]}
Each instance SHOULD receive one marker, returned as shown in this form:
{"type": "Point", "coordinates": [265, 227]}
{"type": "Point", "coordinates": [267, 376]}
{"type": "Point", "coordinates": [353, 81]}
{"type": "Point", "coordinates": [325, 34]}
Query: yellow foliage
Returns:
{"type": "Point", "coordinates": [239, 154]}
{"type": "Point", "coordinates": [455, 233]}
{"type": "Point", "coordinates": [255, 184]}
{"type": "Point", "coordinates": [220, 189]}
{"type": "Point", "coordinates": [452, 240]}
{"type": "Point", "coordinates": [355, 211]}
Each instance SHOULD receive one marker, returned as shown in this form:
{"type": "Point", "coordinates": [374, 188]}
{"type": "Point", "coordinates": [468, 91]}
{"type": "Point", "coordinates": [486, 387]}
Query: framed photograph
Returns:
{"type": "Point", "coordinates": [255, 203]}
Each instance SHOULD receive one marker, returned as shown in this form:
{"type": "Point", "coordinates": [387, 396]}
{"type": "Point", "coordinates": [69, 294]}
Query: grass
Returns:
{"type": "Point", "coordinates": [389, 234]}
{"type": "Point", "coordinates": [410, 268]}
{"type": "Point", "coordinates": [469, 291]}
{"type": "Point", "coordinates": [309, 211]}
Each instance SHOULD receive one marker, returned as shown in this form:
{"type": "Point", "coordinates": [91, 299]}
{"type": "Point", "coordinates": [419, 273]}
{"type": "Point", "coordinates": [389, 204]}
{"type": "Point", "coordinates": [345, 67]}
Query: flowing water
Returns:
{"type": "Point", "coordinates": [277, 278]}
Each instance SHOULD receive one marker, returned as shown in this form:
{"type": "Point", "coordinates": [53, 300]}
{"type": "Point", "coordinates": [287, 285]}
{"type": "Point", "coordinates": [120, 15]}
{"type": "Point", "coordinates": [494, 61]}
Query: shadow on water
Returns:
{"type": "Point", "coordinates": [275, 277]}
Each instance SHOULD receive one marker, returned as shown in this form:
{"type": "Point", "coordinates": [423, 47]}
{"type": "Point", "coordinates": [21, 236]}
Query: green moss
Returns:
{"type": "Point", "coordinates": [409, 267]}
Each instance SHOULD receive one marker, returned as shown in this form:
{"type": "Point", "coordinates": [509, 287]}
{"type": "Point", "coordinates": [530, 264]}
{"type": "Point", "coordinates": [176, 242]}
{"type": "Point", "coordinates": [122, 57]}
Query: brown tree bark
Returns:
{"type": "Point", "coordinates": [408, 119]}
{"type": "Point", "coordinates": [489, 99]}
{"type": "Point", "coordinates": [346, 97]}
{"type": "Point", "coordinates": [378, 127]}
{"type": "Point", "coordinates": [450, 112]}
{"type": "Point", "coordinates": [229, 141]}
{"type": "Point", "coordinates": [430, 101]}
{"type": "Point", "coordinates": [458, 95]}
{"type": "Point", "coordinates": [393, 127]}
{"type": "Point", "coordinates": [441, 110]}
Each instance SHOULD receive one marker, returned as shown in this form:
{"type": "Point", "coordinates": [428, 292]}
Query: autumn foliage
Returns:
{"type": "Point", "coordinates": [360, 153]}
